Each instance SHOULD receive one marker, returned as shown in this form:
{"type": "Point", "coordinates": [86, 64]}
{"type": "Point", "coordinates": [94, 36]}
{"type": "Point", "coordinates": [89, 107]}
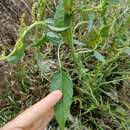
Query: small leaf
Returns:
{"type": "Point", "coordinates": [91, 17]}
{"type": "Point", "coordinates": [59, 14]}
{"type": "Point", "coordinates": [18, 52]}
{"type": "Point", "coordinates": [45, 66]}
{"type": "Point", "coordinates": [99, 57]}
{"type": "Point", "coordinates": [39, 58]}
{"type": "Point", "coordinates": [53, 37]}
{"type": "Point", "coordinates": [104, 31]}
{"type": "Point", "coordinates": [62, 81]}
{"type": "Point", "coordinates": [93, 38]}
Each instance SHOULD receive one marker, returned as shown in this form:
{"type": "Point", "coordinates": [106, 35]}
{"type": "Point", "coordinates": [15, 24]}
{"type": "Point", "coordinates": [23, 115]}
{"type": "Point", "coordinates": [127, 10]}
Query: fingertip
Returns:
{"type": "Point", "coordinates": [59, 93]}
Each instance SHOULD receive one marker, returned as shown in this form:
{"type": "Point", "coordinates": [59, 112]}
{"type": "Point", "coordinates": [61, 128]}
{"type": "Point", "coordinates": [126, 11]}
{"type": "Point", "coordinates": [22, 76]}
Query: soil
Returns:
{"type": "Point", "coordinates": [10, 13]}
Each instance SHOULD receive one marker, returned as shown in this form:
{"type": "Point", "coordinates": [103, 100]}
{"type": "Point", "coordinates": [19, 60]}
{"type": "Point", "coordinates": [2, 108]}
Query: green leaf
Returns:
{"type": "Point", "coordinates": [18, 53]}
{"type": "Point", "coordinates": [63, 82]}
{"type": "Point", "coordinates": [49, 21]}
{"type": "Point", "coordinates": [39, 58]}
{"type": "Point", "coordinates": [93, 38]}
{"type": "Point", "coordinates": [53, 37]}
{"type": "Point", "coordinates": [45, 65]}
{"type": "Point", "coordinates": [104, 31]}
{"type": "Point", "coordinates": [57, 29]}
{"type": "Point", "coordinates": [99, 57]}
{"type": "Point", "coordinates": [91, 17]}
{"type": "Point", "coordinates": [40, 42]}
{"type": "Point", "coordinates": [50, 37]}
{"type": "Point", "coordinates": [59, 14]}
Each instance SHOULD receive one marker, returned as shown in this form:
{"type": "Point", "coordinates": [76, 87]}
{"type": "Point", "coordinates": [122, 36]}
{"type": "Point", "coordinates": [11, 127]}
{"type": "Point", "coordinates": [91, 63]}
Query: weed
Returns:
{"type": "Point", "coordinates": [82, 50]}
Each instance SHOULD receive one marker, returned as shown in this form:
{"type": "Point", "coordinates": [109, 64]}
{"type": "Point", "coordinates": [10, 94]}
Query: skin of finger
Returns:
{"type": "Point", "coordinates": [31, 115]}
{"type": "Point", "coordinates": [46, 122]}
{"type": "Point", "coordinates": [42, 123]}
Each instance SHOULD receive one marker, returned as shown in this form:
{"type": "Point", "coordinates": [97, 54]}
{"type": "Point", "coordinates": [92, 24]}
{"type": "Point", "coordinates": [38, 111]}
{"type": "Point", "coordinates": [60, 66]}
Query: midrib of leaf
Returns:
{"type": "Point", "coordinates": [63, 98]}
{"type": "Point", "coordinates": [65, 79]}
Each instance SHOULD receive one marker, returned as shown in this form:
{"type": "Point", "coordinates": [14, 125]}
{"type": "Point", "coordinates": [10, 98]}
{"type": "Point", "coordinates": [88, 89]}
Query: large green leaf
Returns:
{"type": "Point", "coordinates": [63, 82]}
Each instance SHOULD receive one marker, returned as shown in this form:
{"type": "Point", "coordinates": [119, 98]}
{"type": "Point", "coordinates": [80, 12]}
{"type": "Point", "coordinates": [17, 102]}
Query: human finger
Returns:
{"type": "Point", "coordinates": [32, 114]}
{"type": "Point", "coordinates": [42, 123]}
{"type": "Point", "coordinates": [45, 123]}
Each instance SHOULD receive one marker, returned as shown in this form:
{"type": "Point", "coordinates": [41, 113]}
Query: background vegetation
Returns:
{"type": "Point", "coordinates": [89, 40]}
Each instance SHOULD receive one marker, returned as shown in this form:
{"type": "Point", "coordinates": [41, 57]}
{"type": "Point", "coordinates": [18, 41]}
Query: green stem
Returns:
{"type": "Point", "coordinates": [69, 32]}
{"type": "Point", "coordinates": [39, 23]}
{"type": "Point", "coordinates": [20, 43]}
{"type": "Point", "coordinates": [40, 17]}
